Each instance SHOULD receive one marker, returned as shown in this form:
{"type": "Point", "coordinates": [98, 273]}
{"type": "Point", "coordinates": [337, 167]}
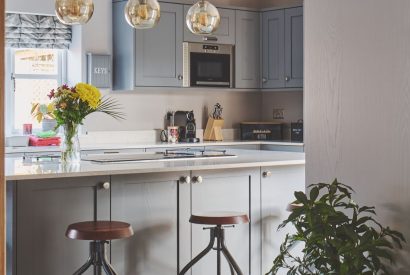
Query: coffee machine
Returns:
{"type": "Point", "coordinates": [185, 120]}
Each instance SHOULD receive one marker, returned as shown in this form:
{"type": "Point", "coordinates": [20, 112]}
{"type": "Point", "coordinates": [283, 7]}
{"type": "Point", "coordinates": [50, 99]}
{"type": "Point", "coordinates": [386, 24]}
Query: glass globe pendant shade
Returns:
{"type": "Point", "coordinates": [142, 14]}
{"type": "Point", "coordinates": [73, 12]}
{"type": "Point", "coordinates": [203, 18]}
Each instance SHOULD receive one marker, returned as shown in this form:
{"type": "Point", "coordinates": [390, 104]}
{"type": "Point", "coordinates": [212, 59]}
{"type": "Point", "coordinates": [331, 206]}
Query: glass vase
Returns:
{"type": "Point", "coordinates": [70, 144]}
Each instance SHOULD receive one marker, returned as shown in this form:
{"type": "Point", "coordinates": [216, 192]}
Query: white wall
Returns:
{"type": "Point", "coordinates": [357, 103]}
{"type": "Point", "coordinates": [44, 7]}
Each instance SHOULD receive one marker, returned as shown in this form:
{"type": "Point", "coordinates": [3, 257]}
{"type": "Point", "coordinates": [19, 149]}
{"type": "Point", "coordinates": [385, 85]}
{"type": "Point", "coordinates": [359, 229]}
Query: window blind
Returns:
{"type": "Point", "coordinates": [36, 31]}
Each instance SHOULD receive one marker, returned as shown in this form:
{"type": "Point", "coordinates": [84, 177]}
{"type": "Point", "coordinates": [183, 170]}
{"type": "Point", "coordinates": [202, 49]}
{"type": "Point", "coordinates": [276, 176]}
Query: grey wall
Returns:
{"type": "Point", "coordinates": [357, 98]}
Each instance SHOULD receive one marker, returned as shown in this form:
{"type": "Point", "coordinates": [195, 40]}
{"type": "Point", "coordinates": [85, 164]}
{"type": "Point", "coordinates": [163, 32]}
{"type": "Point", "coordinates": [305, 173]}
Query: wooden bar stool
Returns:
{"type": "Point", "coordinates": [99, 233]}
{"type": "Point", "coordinates": [220, 220]}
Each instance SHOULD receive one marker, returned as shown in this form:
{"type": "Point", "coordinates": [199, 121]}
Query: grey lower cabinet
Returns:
{"type": "Point", "coordinates": [43, 212]}
{"type": "Point", "coordinates": [149, 202]}
{"type": "Point", "coordinates": [226, 190]}
{"type": "Point", "coordinates": [247, 55]}
{"type": "Point", "coordinates": [225, 34]}
{"type": "Point", "coordinates": [282, 47]}
{"type": "Point", "coordinates": [278, 185]}
{"type": "Point", "coordinates": [151, 57]}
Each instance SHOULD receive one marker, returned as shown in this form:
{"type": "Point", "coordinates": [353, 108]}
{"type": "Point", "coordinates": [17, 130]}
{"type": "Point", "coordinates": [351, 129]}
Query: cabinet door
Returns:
{"type": "Point", "coordinates": [44, 210]}
{"type": "Point", "coordinates": [273, 63]}
{"type": "Point", "coordinates": [158, 51]}
{"type": "Point", "coordinates": [294, 47]}
{"type": "Point", "coordinates": [277, 191]}
{"type": "Point", "coordinates": [247, 50]}
{"type": "Point", "coordinates": [150, 204]}
{"type": "Point", "coordinates": [225, 34]}
{"type": "Point", "coordinates": [228, 190]}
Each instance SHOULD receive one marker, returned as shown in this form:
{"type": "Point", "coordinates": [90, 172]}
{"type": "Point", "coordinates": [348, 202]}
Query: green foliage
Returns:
{"type": "Point", "coordinates": [339, 236]}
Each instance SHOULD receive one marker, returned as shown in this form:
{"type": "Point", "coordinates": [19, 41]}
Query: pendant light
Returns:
{"type": "Point", "coordinates": [203, 18]}
{"type": "Point", "coordinates": [73, 12]}
{"type": "Point", "coordinates": [142, 14]}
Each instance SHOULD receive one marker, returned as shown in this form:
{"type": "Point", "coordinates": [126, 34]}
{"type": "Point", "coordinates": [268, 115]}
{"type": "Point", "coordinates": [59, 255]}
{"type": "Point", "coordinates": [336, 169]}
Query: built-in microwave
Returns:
{"type": "Point", "coordinates": [208, 65]}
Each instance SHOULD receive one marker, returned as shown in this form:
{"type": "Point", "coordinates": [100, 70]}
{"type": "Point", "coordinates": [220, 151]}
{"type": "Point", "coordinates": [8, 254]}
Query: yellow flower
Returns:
{"type": "Point", "coordinates": [88, 93]}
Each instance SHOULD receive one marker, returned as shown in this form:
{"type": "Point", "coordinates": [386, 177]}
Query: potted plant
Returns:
{"type": "Point", "coordinates": [44, 114]}
{"type": "Point", "coordinates": [338, 235]}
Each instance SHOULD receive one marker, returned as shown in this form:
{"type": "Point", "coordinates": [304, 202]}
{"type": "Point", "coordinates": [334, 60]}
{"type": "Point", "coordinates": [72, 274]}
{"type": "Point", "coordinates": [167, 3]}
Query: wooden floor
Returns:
{"type": "Point", "coordinates": [2, 184]}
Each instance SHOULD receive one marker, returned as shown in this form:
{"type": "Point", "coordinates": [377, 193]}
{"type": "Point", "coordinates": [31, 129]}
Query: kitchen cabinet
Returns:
{"type": "Point", "coordinates": [228, 190]}
{"type": "Point", "coordinates": [282, 48]}
{"type": "Point", "coordinates": [247, 53]}
{"type": "Point", "coordinates": [225, 34]}
{"type": "Point", "coordinates": [43, 211]}
{"type": "Point", "coordinates": [278, 185]}
{"type": "Point", "coordinates": [151, 57]}
{"type": "Point", "coordinates": [294, 47]}
{"type": "Point", "coordinates": [149, 202]}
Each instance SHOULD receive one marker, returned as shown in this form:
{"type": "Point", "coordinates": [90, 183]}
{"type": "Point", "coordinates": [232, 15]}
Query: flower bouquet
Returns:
{"type": "Point", "coordinates": [71, 106]}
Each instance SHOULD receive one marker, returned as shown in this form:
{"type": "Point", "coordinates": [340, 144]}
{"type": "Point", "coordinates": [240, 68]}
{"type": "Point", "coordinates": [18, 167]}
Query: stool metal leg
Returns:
{"type": "Point", "coordinates": [98, 259]}
{"type": "Point", "coordinates": [230, 259]}
{"type": "Point", "coordinates": [202, 254]}
{"type": "Point", "coordinates": [90, 261]}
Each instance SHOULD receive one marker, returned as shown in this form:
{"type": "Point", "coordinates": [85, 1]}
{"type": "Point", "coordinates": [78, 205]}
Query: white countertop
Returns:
{"type": "Point", "coordinates": [117, 146]}
{"type": "Point", "coordinates": [17, 169]}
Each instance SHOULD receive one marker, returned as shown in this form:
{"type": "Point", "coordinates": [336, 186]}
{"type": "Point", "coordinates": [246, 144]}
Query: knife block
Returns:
{"type": "Point", "coordinates": [213, 130]}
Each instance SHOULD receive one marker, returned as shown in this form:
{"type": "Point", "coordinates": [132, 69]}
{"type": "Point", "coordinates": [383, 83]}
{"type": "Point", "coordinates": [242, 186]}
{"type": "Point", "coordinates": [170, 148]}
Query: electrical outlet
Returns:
{"type": "Point", "coordinates": [278, 113]}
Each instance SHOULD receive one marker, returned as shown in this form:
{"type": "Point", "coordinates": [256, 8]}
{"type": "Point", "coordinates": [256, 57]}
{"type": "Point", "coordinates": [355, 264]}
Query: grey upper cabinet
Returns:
{"type": "Point", "coordinates": [273, 52]}
{"type": "Point", "coordinates": [228, 190]}
{"type": "Point", "coordinates": [158, 51]}
{"type": "Point", "coordinates": [282, 62]}
{"type": "Point", "coordinates": [294, 47]}
{"type": "Point", "coordinates": [149, 202]}
{"type": "Point", "coordinates": [43, 212]}
{"type": "Point", "coordinates": [151, 57]}
{"type": "Point", "coordinates": [247, 74]}
{"type": "Point", "coordinates": [224, 35]}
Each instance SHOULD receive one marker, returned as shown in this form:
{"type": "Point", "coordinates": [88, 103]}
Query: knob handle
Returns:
{"type": "Point", "coordinates": [197, 179]}
{"type": "Point", "coordinates": [106, 185]}
{"type": "Point", "coordinates": [267, 174]}
{"type": "Point", "coordinates": [186, 179]}
{"type": "Point", "coordinates": [264, 80]}
{"type": "Point", "coordinates": [287, 78]}
{"type": "Point", "coordinates": [180, 77]}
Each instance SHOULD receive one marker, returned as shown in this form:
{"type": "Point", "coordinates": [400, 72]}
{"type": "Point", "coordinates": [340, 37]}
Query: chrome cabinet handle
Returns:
{"type": "Point", "coordinates": [186, 179]}
{"type": "Point", "coordinates": [106, 185]}
{"type": "Point", "coordinates": [180, 77]}
{"type": "Point", "coordinates": [267, 174]}
{"type": "Point", "coordinates": [264, 80]}
{"type": "Point", "coordinates": [287, 78]}
{"type": "Point", "coordinates": [197, 179]}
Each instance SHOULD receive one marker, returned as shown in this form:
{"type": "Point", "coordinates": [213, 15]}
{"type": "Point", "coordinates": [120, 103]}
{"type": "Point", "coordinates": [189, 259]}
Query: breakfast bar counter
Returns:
{"type": "Point", "coordinates": [156, 198]}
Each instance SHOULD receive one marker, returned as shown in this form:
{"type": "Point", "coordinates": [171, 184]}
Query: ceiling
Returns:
{"type": "Point", "coordinates": [252, 4]}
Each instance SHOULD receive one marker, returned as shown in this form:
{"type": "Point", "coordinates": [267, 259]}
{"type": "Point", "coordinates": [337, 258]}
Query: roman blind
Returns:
{"type": "Point", "coordinates": [36, 31]}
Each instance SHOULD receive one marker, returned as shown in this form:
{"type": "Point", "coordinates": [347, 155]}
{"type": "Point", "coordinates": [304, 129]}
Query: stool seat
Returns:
{"type": "Point", "coordinates": [219, 218]}
{"type": "Point", "coordinates": [99, 230]}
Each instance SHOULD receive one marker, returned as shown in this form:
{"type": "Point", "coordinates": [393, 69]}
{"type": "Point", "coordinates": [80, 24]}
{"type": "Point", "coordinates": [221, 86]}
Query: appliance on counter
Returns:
{"type": "Point", "coordinates": [167, 155]}
{"type": "Point", "coordinates": [296, 131]}
{"type": "Point", "coordinates": [185, 120]}
{"type": "Point", "coordinates": [262, 131]}
{"type": "Point", "coordinates": [207, 65]}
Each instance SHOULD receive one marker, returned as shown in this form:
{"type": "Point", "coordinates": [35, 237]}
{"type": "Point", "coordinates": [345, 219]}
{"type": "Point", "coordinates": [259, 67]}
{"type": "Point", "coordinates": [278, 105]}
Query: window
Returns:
{"type": "Point", "coordinates": [34, 73]}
